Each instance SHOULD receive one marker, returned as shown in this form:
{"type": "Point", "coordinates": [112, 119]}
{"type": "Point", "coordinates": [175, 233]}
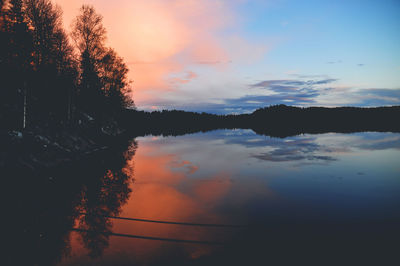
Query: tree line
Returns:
{"type": "Point", "coordinates": [276, 121]}
{"type": "Point", "coordinates": [49, 80]}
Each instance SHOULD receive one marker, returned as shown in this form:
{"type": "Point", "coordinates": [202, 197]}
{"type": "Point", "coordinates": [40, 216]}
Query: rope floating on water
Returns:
{"type": "Point", "coordinates": [168, 222]}
{"type": "Point", "coordinates": [150, 237]}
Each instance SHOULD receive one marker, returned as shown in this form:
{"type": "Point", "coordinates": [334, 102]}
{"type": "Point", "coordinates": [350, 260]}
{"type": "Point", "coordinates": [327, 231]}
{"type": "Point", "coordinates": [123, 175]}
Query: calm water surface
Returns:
{"type": "Point", "coordinates": [310, 198]}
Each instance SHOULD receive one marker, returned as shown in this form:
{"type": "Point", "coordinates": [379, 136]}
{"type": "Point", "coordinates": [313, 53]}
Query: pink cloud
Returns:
{"type": "Point", "coordinates": [162, 38]}
{"type": "Point", "coordinates": [189, 76]}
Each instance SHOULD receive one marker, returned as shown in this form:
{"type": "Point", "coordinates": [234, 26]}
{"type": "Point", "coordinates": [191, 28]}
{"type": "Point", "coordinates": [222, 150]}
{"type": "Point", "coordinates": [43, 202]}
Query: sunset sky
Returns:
{"type": "Point", "coordinates": [233, 56]}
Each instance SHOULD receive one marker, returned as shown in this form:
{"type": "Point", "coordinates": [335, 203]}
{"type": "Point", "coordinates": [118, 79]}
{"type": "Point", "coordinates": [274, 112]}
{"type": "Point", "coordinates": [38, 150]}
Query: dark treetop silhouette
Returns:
{"type": "Point", "coordinates": [44, 80]}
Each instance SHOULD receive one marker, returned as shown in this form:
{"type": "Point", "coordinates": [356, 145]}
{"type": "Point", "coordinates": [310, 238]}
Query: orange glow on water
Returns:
{"type": "Point", "coordinates": [162, 190]}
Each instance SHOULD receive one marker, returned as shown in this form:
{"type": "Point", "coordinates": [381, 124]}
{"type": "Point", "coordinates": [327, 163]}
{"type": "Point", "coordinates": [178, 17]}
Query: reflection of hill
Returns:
{"type": "Point", "coordinates": [278, 121]}
{"type": "Point", "coordinates": [43, 207]}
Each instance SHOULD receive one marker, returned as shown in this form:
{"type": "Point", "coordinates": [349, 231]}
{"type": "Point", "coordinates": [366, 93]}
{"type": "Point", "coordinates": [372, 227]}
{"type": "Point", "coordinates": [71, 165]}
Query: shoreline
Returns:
{"type": "Point", "coordinates": [37, 148]}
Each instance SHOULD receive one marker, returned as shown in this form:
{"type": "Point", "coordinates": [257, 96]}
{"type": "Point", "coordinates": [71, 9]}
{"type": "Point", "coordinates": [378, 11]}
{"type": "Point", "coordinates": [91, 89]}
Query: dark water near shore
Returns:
{"type": "Point", "coordinates": [316, 199]}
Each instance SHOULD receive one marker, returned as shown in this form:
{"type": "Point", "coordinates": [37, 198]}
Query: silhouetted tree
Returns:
{"type": "Point", "coordinates": [15, 63]}
{"type": "Point", "coordinates": [41, 76]}
{"type": "Point", "coordinates": [89, 35]}
{"type": "Point", "coordinates": [104, 87]}
{"type": "Point", "coordinates": [46, 21]}
{"type": "Point", "coordinates": [117, 89]}
{"type": "Point", "coordinates": [54, 65]}
{"type": "Point", "coordinates": [67, 68]}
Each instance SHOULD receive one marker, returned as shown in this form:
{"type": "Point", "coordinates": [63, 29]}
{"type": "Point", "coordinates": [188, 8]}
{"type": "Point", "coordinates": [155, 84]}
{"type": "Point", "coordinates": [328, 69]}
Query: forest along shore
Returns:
{"type": "Point", "coordinates": [275, 121]}
{"type": "Point", "coordinates": [38, 148]}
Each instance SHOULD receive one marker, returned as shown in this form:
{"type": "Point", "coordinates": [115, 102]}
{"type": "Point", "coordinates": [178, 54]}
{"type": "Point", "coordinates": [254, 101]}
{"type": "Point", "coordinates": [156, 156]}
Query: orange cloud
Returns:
{"type": "Point", "coordinates": [162, 40]}
{"type": "Point", "coordinates": [158, 37]}
{"type": "Point", "coordinates": [186, 79]}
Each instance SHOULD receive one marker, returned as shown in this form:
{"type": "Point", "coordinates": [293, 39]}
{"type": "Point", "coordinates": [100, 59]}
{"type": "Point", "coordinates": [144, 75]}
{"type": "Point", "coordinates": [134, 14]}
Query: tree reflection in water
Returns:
{"type": "Point", "coordinates": [43, 208]}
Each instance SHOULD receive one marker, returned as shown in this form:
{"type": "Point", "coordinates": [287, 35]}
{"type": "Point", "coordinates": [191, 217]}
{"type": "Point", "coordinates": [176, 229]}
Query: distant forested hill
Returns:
{"type": "Point", "coordinates": [277, 120]}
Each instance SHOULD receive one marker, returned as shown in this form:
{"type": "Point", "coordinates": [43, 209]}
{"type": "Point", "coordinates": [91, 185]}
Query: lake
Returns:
{"type": "Point", "coordinates": [319, 198]}
{"type": "Point", "coordinates": [235, 197]}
